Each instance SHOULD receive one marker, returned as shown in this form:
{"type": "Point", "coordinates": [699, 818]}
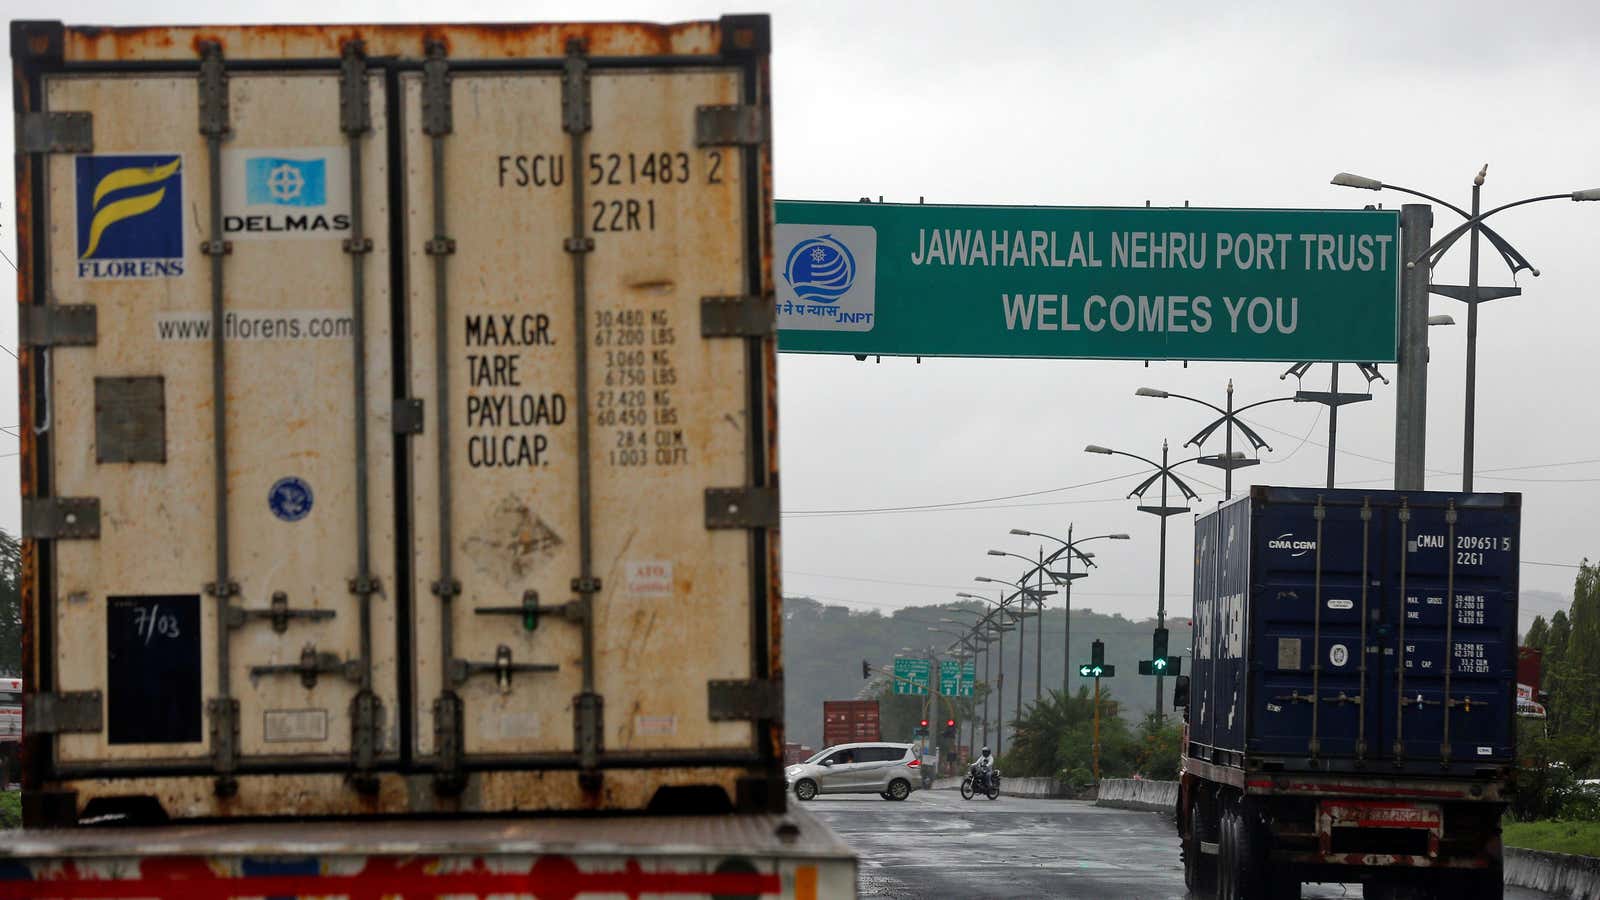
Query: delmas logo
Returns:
{"type": "Point", "coordinates": [286, 182]}
{"type": "Point", "coordinates": [820, 270]}
{"type": "Point", "coordinates": [130, 216]}
{"type": "Point", "coordinates": [283, 193]}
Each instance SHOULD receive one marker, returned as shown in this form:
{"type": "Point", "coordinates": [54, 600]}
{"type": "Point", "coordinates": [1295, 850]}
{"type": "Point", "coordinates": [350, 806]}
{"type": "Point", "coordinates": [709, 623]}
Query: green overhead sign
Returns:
{"type": "Point", "coordinates": [1280, 285]}
{"type": "Point", "coordinates": [911, 675]}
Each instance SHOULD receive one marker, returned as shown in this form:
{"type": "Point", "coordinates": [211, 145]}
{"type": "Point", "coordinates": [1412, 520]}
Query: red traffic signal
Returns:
{"type": "Point", "coordinates": [924, 723]}
{"type": "Point", "coordinates": [949, 723]}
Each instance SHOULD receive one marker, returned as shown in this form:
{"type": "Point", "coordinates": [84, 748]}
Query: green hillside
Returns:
{"type": "Point", "coordinates": [823, 647]}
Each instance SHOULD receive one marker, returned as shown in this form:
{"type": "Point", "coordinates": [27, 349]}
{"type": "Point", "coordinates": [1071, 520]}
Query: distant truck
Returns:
{"type": "Point", "coordinates": [1350, 713]}
{"type": "Point", "coordinates": [10, 728]}
{"type": "Point", "coordinates": [849, 722]}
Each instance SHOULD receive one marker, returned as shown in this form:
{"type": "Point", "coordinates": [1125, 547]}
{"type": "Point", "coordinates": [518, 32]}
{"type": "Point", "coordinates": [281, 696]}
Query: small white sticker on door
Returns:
{"type": "Point", "coordinates": [1338, 654]}
{"type": "Point", "coordinates": [649, 578]}
{"type": "Point", "coordinates": [1485, 751]}
{"type": "Point", "coordinates": [655, 726]}
{"type": "Point", "coordinates": [291, 725]}
{"type": "Point", "coordinates": [1337, 603]}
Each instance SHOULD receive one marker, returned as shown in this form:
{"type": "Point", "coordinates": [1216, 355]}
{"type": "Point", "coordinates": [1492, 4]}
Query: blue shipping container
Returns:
{"type": "Point", "coordinates": [1349, 629]}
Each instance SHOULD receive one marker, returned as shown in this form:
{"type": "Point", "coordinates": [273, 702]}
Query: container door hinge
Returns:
{"type": "Point", "coordinates": [742, 507]}
{"type": "Point", "coordinates": [575, 110]}
{"type": "Point", "coordinates": [735, 700]}
{"type": "Point", "coordinates": [355, 108]}
{"type": "Point", "coordinates": [366, 716]}
{"type": "Point", "coordinates": [223, 713]}
{"type": "Point", "coordinates": [73, 711]}
{"type": "Point", "coordinates": [437, 117]}
{"type": "Point", "coordinates": [57, 132]}
{"type": "Point", "coordinates": [61, 518]}
{"type": "Point", "coordinates": [406, 416]}
{"type": "Point", "coordinates": [738, 316]}
{"type": "Point", "coordinates": [58, 325]}
{"type": "Point", "coordinates": [447, 741]}
{"type": "Point", "coordinates": [724, 126]}
{"type": "Point", "coordinates": [588, 731]}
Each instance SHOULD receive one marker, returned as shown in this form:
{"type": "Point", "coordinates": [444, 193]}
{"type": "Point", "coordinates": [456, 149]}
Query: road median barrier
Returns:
{"type": "Point", "coordinates": [1560, 874]}
{"type": "Point", "coordinates": [1136, 793]}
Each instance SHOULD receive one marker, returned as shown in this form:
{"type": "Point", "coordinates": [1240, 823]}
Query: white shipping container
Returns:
{"type": "Point", "coordinates": [403, 419]}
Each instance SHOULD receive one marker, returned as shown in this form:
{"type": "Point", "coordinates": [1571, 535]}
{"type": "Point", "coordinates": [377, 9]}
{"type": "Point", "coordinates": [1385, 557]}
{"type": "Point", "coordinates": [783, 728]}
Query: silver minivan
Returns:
{"type": "Point", "coordinates": [892, 771]}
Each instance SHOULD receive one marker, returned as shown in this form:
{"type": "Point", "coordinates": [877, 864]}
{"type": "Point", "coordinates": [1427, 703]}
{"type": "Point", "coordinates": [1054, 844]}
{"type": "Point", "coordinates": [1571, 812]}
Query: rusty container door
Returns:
{"type": "Point", "coordinates": [221, 524]}
{"type": "Point", "coordinates": [592, 514]}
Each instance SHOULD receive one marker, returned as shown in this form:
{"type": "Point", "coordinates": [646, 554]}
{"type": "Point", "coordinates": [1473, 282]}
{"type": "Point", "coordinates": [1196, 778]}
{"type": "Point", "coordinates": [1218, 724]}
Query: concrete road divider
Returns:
{"type": "Point", "coordinates": [1560, 874]}
{"type": "Point", "coordinates": [1133, 793]}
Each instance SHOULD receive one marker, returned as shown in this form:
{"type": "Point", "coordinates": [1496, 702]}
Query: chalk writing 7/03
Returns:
{"type": "Point", "coordinates": [150, 621]}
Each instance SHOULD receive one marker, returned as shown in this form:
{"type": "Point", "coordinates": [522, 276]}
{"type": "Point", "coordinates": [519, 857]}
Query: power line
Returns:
{"type": "Point", "coordinates": [957, 587]}
{"type": "Point", "coordinates": [927, 506]}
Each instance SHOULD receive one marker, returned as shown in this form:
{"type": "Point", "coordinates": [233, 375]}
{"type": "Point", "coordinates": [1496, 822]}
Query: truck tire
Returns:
{"type": "Point", "coordinates": [1199, 869]}
{"type": "Point", "coordinates": [1487, 884]}
{"type": "Point", "coordinates": [1247, 870]}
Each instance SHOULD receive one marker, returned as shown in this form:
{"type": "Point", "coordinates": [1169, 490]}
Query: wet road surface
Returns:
{"type": "Point", "coordinates": [937, 845]}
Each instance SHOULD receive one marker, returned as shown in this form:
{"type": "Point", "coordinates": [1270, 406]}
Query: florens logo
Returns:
{"type": "Point", "coordinates": [820, 269]}
{"type": "Point", "coordinates": [130, 216]}
{"type": "Point", "coordinates": [1286, 541]}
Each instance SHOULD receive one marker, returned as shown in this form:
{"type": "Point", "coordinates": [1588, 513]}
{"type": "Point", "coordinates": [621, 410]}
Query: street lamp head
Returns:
{"type": "Point", "coordinates": [983, 578]}
{"type": "Point", "coordinates": [1345, 179]}
{"type": "Point", "coordinates": [1441, 319]}
{"type": "Point", "coordinates": [1590, 194]}
{"type": "Point", "coordinates": [1096, 448]}
{"type": "Point", "coordinates": [997, 553]}
{"type": "Point", "coordinates": [1021, 532]}
{"type": "Point", "coordinates": [1151, 392]}
{"type": "Point", "coordinates": [1118, 537]}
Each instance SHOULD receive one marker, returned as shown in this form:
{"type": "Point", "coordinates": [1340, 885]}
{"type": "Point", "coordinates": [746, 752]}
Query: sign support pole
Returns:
{"type": "Point", "coordinates": [1411, 387]}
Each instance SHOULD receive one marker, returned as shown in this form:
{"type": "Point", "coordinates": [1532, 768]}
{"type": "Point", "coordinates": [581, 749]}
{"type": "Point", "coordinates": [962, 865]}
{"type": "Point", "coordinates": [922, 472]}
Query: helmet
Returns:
{"type": "Point", "coordinates": [986, 751]}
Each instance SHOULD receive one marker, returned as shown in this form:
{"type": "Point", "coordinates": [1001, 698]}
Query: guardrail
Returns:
{"type": "Point", "coordinates": [1134, 793]}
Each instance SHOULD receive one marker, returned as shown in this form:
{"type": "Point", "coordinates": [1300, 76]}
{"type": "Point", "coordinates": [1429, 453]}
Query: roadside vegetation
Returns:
{"type": "Point", "coordinates": [1557, 804]}
{"type": "Point", "coordinates": [1055, 738]}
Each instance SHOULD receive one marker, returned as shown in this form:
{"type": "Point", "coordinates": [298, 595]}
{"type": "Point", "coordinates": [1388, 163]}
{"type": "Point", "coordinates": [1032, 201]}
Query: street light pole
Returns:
{"type": "Point", "coordinates": [1038, 638]}
{"type": "Point", "coordinates": [1164, 474]}
{"type": "Point", "coordinates": [1471, 294]}
{"type": "Point", "coordinates": [1229, 420]}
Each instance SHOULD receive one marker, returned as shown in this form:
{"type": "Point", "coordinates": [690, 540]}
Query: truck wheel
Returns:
{"type": "Point", "coordinates": [805, 789]}
{"type": "Point", "coordinates": [1227, 857]}
{"type": "Point", "coordinates": [1199, 869]}
{"type": "Point", "coordinates": [1254, 882]}
{"type": "Point", "coordinates": [1488, 884]}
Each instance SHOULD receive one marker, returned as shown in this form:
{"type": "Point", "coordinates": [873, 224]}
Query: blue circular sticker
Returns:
{"type": "Point", "coordinates": [290, 499]}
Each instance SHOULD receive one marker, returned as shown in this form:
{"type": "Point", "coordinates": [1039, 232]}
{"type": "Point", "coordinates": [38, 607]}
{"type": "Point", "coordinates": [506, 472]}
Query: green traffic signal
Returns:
{"type": "Point", "coordinates": [1083, 670]}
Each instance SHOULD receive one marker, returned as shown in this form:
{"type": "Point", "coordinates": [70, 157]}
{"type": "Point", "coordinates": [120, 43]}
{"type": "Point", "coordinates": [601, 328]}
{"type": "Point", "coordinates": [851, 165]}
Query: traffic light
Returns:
{"type": "Point", "coordinates": [949, 728]}
{"type": "Point", "coordinates": [922, 729]}
{"type": "Point", "coordinates": [866, 669]}
{"type": "Point", "coordinates": [1096, 667]}
{"type": "Point", "coordinates": [1159, 662]}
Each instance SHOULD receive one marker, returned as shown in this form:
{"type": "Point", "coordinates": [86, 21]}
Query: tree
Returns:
{"type": "Point", "coordinates": [1538, 635]}
{"type": "Point", "coordinates": [1158, 743]}
{"type": "Point", "coordinates": [1556, 644]}
{"type": "Point", "coordinates": [1055, 737]}
{"type": "Point", "coordinates": [10, 606]}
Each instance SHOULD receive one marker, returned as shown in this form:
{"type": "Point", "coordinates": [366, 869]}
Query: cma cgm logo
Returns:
{"type": "Point", "coordinates": [820, 269]}
{"type": "Point", "coordinates": [1287, 542]}
{"type": "Point", "coordinates": [130, 216]}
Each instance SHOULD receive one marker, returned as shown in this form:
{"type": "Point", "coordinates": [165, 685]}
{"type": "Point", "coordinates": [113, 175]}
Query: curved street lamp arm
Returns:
{"type": "Point", "coordinates": [1514, 260]}
{"type": "Point", "coordinates": [1203, 434]}
{"type": "Point", "coordinates": [1248, 406]}
{"type": "Point", "coordinates": [1219, 409]}
{"type": "Point", "coordinates": [1142, 459]}
{"type": "Point", "coordinates": [1442, 244]}
{"type": "Point", "coordinates": [1445, 203]}
{"type": "Point", "coordinates": [1256, 440]}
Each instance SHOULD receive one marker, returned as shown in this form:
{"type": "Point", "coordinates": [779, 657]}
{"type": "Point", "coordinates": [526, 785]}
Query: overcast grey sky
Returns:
{"type": "Point", "coordinates": [1116, 104]}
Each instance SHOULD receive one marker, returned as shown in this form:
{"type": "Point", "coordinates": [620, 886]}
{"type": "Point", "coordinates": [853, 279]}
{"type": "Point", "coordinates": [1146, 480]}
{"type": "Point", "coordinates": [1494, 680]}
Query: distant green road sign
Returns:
{"type": "Point", "coordinates": [911, 675]}
{"type": "Point", "coordinates": [950, 677]}
{"type": "Point", "coordinates": [1088, 282]}
{"type": "Point", "coordinates": [969, 677]}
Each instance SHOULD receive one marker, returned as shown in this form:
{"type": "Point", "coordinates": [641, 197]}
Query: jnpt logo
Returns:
{"type": "Point", "coordinates": [821, 269]}
{"type": "Point", "coordinates": [130, 216]}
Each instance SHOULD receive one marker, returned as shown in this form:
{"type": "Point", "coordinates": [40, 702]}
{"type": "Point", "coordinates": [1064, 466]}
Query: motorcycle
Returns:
{"type": "Point", "coordinates": [980, 782]}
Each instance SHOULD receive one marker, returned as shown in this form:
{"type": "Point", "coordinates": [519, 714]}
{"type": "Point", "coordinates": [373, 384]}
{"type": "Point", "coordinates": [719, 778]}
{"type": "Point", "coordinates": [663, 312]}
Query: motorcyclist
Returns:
{"type": "Point", "coordinates": [983, 766]}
